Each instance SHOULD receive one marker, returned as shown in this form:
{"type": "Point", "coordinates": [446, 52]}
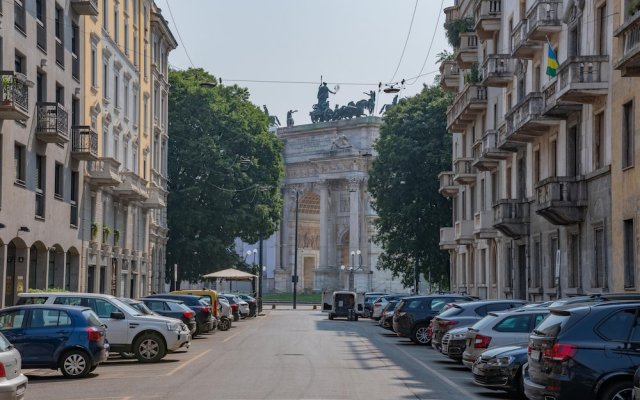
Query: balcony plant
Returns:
{"type": "Point", "coordinates": [116, 236]}
{"type": "Point", "coordinates": [473, 76]}
{"type": "Point", "coordinates": [7, 90]}
{"type": "Point", "coordinates": [105, 234]}
{"type": "Point", "coordinates": [455, 27]}
{"type": "Point", "coordinates": [632, 7]}
{"type": "Point", "coordinates": [94, 230]}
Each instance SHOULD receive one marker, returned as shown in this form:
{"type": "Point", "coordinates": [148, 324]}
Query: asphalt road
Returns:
{"type": "Point", "coordinates": [285, 354]}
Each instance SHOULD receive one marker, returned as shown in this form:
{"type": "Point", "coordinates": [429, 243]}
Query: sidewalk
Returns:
{"type": "Point", "coordinates": [289, 306]}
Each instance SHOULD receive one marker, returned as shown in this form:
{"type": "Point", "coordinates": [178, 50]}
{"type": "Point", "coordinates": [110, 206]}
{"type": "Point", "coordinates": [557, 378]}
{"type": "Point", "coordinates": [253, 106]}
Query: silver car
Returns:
{"type": "Point", "coordinates": [501, 329]}
{"type": "Point", "coordinates": [14, 383]}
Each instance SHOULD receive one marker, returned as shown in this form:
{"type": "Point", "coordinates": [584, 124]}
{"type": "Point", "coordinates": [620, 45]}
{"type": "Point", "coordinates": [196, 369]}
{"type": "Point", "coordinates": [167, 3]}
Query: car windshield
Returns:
{"type": "Point", "coordinates": [453, 311]}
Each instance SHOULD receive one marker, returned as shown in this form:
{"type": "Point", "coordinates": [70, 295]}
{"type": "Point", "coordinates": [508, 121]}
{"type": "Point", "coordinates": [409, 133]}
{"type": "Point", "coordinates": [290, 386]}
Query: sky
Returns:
{"type": "Point", "coordinates": [342, 41]}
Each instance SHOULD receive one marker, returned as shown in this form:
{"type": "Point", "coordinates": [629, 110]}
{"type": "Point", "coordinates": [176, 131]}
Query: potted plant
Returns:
{"type": "Point", "coordinates": [7, 90]}
{"type": "Point", "coordinates": [105, 234]}
{"type": "Point", "coordinates": [116, 237]}
{"type": "Point", "coordinates": [94, 231]}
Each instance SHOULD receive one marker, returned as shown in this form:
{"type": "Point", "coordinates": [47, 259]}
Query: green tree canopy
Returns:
{"type": "Point", "coordinates": [225, 170]}
{"type": "Point", "coordinates": [413, 148]}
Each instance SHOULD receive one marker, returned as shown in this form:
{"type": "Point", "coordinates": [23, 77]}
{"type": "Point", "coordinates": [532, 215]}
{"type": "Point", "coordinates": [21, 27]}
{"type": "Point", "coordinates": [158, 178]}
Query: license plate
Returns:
{"type": "Point", "coordinates": [445, 348]}
{"type": "Point", "coordinates": [475, 370]}
{"type": "Point", "coordinates": [535, 355]}
{"type": "Point", "coordinates": [20, 390]}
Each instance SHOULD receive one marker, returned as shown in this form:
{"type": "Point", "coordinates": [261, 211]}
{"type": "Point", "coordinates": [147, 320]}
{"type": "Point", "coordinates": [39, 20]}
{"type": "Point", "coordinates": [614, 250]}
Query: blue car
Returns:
{"type": "Point", "coordinates": [69, 338]}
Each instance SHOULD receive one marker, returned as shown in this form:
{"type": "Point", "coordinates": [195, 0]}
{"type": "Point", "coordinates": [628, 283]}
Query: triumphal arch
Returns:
{"type": "Point", "coordinates": [325, 187]}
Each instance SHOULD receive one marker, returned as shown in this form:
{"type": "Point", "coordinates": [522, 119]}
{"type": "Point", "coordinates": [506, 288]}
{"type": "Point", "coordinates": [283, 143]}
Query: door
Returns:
{"type": "Point", "coordinates": [573, 151]}
{"type": "Point", "coordinates": [117, 329]}
{"type": "Point", "coordinates": [620, 355]}
{"type": "Point", "coordinates": [48, 330]}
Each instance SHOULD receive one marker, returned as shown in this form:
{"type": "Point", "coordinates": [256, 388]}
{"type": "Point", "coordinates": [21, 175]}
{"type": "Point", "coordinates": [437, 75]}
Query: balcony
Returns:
{"type": "Point", "coordinates": [463, 172]}
{"type": "Point", "coordinates": [85, 7]}
{"type": "Point", "coordinates": [104, 172]}
{"type": "Point", "coordinates": [562, 200]}
{"type": "Point", "coordinates": [466, 106]}
{"type": "Point", "coordinates": [53, 123]}
{"type": "Point", "coordinates": [487, 154]}
{"type": "Point", "coordinates": [487, 14]}
{"type": "Point", "coordinates": [132, 187]}
{"type": "Point", "coordinates": [157, 197]}
{"type": "Point", "coordinates": [544, 19]}
{"type": "Point", "coordinates": [526, 120]}
{"type": "Point", "coordinates": [553, 106]}
{"type": "Point", "coordinates": [467, 53]}
{"type": "Point", "coordinates": [447, 239]}
{"type": "Point", "coordinates": [463, 233]}
{"type": "Point", "coordinates": [508, 144]}
{"type": "Point", "coordinates": [629, 35]}
{"type": "Point", "coordinates": [521, 45]}
{"type": "Point", "coordinates": [483, 225]}
{"type": "Point", "coordinates": [449, 76]}
{"type": "Point", "coordinates": [15, 96]}
{"type": "Point", "coordinates": [448, 188]}
{"type": "Point", "coordinates": [583, 79]}
{"type": "Point", "coordinates": [497, 70]}
{"type": "Point", "coordinates": [84, 143]}
{"type": "Point", "coordinates": [451, 13]}
{"type": "Point", "coordinates": [511, 217]}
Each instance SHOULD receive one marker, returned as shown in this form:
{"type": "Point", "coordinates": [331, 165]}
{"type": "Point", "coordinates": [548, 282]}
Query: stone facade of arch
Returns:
{"type": "Point", "coordinates": [326, 165]}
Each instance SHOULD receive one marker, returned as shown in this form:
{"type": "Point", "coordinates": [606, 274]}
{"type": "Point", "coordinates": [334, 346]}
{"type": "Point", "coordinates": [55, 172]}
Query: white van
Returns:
{"type": "Point", "coordinates": [343, 303]}
{"type": "Point", "coordinates": [148, 337]}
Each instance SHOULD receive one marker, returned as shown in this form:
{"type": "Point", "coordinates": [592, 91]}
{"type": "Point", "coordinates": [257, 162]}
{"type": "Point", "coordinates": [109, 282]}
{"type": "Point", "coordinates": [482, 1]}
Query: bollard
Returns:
{"type": "Point", "coordinates": [273, 306]}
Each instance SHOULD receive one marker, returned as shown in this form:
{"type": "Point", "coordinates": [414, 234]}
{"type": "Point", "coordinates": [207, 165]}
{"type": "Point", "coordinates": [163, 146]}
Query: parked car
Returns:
{"type": "Point", "coordinates": [13, 384]}
{"type": "Point", "coordinates": [461, 315]}
{"type": "Point", "coordinates": [380, 303]}
{"type": "Point", "coordinates": [222, 312]}
{"type": "Point", "coordinates": [233, 303]}
{"type": "Point", "coordinates": [500, 368]}
{"type": "Point", "coordinates": [149, 338]}
{"type": "Point", "coordinates": [454, 343]}
{"type": "Point", "coordinates": [205, 320]}
{"type": "Point", "coordinates": [413, 314]}
{"type": "Point", "coordinates": [594, 298]}
{"type": "Point", "coordinates": [71, 339]}
{"type": "Point", "coordinates": [253, 304]}
{"type": "Point", "coordinates": [501, 329]}
{"type": "Point", "coordinates": [138, 305]}
{"type": "Point", "coordinates": [369, 298]}
{"type": "Point", "coordinates": [386, 321]}
{"type": "Point", "coordinates": [430, 326]}
{"type": "Point", "coordinates": [243, 306]}
{"type": "Point", "coordinates": [584, 351]}
{"type": "Point", "coordinates": [636, 385]}
{"type": "Point", "coordinates": [174, 309]}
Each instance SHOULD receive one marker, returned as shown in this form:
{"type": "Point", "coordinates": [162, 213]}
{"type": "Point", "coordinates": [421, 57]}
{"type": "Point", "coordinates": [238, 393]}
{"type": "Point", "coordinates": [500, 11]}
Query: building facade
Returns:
{"type": "Point", "coordinates": [532, 175]}
{"type": "Point", "coordinates": [80, 206]}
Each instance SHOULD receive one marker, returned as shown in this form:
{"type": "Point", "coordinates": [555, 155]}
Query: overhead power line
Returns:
{"type": "Point", "coordinates": [179, 36]}
{"type": "Point", "coordinates": [404, 48]}
{"type": "Point", "coordinates": [430, 45]}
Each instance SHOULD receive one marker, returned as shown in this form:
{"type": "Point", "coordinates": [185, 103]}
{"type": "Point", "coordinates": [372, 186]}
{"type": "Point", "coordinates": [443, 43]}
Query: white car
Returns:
{"type": "Point", "coordinates": [501, 329]}
{"type": "Point", "coordinates": [148, 337]}
{"type": "Point", "coordinates": [243, 306]}
{"type": "Point", "coordinates": [380, 303]}
{"type": "Point", "coordinates": [14, 383]}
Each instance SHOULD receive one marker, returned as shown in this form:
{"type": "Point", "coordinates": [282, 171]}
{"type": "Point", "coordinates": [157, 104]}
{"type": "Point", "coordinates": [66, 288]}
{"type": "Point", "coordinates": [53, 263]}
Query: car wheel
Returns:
{"type": "Point", "coordinates": [75, 364]}
{"type": "Point", "coordinates": [621, 390]}
{"type": "Point", "coordinates": [420, 335]}
{"type": "Point", "coordinates": [149, 348]}
{"type": "Point", "coordinates": [224, 324]}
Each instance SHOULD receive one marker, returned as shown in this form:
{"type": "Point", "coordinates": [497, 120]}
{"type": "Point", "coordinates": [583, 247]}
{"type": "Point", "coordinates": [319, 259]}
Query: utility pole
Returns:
{"type": "Point", "coordinates": [294, 278]}
{"type": "Point", "coordinates": [260, 266]}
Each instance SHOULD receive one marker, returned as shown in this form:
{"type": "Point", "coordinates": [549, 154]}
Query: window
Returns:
{"type": "Point", "coordinates": [116, 85]}
{"type": "Point", "coordinates": [135, 44]}
{"type": "Point", "coordinates": [601, 29]}
{"type": "Point", "coordinates": [41, 87]}
{"type": "Point", "coordinates": [20, 63]}
{"type": "Point", "coordinates": [134, 112]}
{"type": "Point", "coordinates": [627, 134]}
{"type": "Point", "coordinates": [73, 220]}
{"type": "Point", "coordinates": [553, 250]}
{"type": "Point", "coordinates": [116, 25]}
{"type": "Point", "coordinates": [536, 165]}
{"type": "Point", "coordinates": [125, 92]}
{"type": "Point", "coordinates": [12, 319]}
{"type": "Point", "coordinates": [126, 36]}
{"type": "Point", "coordinates": [94, 67]}
{"type": "Point", "coordinates": [101, 307]}
{"type": "Point", "coordinates": [75, 51]}
{"type": "Point", "coordinates": [19, 163]}
{"type": "Point", "coordinates": [629, 254]}
{"type": "Point", "coordinates": [69, 301]}
{"type": "Point", "coordinates": [105, 81]}
{"type": "Point", "coordinates": [536, 265]}
{"type": "Point", "coordinates": [518, 323]}
{"type": "Point", "coordinates": [574, 261]}
{"type": "Point", "coordinates": [599, 259]}
{"type": "Point", "coordinates": [42, 318]}
{"type": "Point", "coordinates": [41, 25]}
{"type": "Point", "coordinates": [553, 158]}
{"type": "Point", "coordinates": [617, 326]}
{"type": "Point", "coordinates": [20, 16]}
{"type": "Point", "coordinates": [508, 182]}
{"type": "Point", "coordinates": [60, 94]}
{"type": "Point", "coordinates": [58, 180]}
{"type": "Point", "coordinates": [59, 29]}
{"type": "Point", "coordinates": [75, 111]}
{"type": "Point", "coordinates": [145, 110]}
{"type": "Point", "coordinates": [41, 175]}
{"type": "Point", "coordinates": [105, 15]}
{"type": "Point", "coordinates": [598, 141]}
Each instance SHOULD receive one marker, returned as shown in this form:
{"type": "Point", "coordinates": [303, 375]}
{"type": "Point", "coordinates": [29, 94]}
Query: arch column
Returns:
{"type": "Point", "coordinates": [324, 223]}
{"type": "Point", "coordinates": [354, 214]}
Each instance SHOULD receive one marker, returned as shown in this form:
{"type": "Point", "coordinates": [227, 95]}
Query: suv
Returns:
{"type": "Point", "coordinates": [149, 338]}
{"type": "Point", "coordinates": [461, 315]}
{"type": "Point", "coordinates": [204, 315]}
{"type": "Point", "coordinates": [68, 338]}
{"type": "Point", "coordinates": [220, 306]}
{"type": "Point", "coordinates": [585, 351]}
{"type": "Point", "coordinates": [413, 314]}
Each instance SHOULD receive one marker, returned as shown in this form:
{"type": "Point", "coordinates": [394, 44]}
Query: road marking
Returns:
{"type": "Point", "coordinates": [231, 337]}
{"type": "Point", "coordinates": [187, 362]}
{"type": "Point", "coordinates": [446, 380]}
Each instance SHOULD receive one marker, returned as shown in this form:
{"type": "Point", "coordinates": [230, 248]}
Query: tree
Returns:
{"type": "Point", "coordinates": [225, 170]}
{"type": "Point", "coordinates": [413, 148]}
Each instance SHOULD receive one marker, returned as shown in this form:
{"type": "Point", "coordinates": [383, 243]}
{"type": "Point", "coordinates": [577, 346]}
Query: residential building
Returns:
{"type": "Point", "coordinates": [532, 175]}
{"type": "Point", "coordinates": [43, 148]}
{"type": "Point", "coordinates": [124, 210]}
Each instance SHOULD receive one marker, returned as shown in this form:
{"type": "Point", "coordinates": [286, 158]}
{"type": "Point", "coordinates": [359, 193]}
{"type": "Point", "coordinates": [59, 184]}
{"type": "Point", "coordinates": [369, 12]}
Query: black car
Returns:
{"type": "Point", "coordinates": [204, 314]}
{"type": "Point", "coordinates": [636, 385]}
{"type": "Point", "coordinates": [174, 309]}
{"type": "Point", "coordinates": [585, 351]}
{"type": "Point", "coordinates": [412, 315]}
{"type": "Point", "coordinates": [500, 368]}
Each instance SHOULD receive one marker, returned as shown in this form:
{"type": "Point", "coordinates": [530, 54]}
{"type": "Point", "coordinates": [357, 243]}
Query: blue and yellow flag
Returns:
{"type": "Point", "coordinates": [552, 61]}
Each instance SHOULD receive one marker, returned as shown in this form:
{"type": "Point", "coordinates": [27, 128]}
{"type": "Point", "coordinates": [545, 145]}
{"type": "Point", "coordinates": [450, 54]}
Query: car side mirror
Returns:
{"type": "Point", "coordinates": [117, 315]}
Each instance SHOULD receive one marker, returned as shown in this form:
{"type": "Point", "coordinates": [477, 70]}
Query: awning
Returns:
{"type": "Point", "coordinates": [230, 274]}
